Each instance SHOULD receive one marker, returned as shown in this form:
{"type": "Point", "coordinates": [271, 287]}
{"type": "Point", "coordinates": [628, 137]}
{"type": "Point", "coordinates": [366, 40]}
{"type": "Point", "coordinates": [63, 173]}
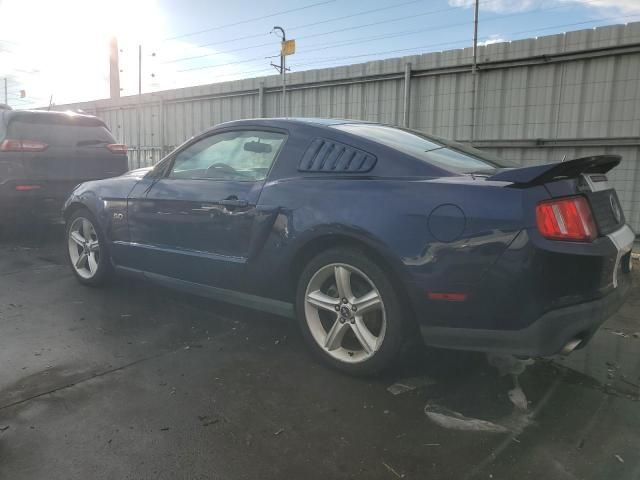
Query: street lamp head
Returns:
{"type": "Point", "coordinates": [281, 31]}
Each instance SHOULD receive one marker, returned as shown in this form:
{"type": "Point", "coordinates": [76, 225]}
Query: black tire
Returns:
{"type": "Point", "coordinates": [104, 270]}
{"type": "Point", "coordinates": [389, 350]}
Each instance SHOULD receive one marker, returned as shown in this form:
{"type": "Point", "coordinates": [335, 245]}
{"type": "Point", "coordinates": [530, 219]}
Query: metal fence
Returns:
{"type": "Point", "coordinates": [532, 101]}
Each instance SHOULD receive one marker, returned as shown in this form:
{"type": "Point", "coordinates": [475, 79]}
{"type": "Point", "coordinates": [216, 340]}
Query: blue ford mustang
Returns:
{"type": "Point", "coordinates": [368, 235]}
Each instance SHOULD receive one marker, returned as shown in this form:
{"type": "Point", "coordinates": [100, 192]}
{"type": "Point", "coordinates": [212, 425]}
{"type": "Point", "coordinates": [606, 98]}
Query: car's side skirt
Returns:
{"type": "Point", "coordinates": [248, 300]}
{"type": "Point", "coordinates": [193, 253]}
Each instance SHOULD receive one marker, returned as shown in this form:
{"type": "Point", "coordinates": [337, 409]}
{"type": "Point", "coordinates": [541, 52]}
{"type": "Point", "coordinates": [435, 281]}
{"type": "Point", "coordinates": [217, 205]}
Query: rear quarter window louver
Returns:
{"type": "Point", "coordinates": [328, 156]}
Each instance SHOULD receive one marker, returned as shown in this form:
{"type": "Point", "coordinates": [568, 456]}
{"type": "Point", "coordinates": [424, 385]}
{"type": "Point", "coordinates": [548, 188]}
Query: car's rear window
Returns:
{"type": "Point", "coordinates": [61, 131]}
{"type": "Point", "coordinates": [436, 151]}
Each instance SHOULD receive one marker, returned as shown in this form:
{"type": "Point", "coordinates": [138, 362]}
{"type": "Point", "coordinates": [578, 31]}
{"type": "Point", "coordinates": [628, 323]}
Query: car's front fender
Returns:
{"type": "Point", "coordinates": [107, 201]}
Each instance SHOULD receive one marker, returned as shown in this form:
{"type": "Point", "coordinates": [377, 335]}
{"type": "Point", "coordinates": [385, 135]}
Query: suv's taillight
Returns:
{"type": "Point", "coordinates": [13, 145]}
{"type": "Point", "coordinates": [567, 218]}
{"type": "Point", "coordinates": [117, 148]}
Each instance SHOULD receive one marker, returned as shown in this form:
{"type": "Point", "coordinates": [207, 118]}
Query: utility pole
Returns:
{"type": "Point", "coordinates": [6, 97]}
{"type": "Point", "coordinates": [474, 71]}
{"type": "Point", "coordinates": [283, 72]}
{"type": "Point", "coordinates": [138, 110]}
{"type": "Point", "coordinates": [475, 37]}
{"type": "Point", "coordinates": [114, 69]}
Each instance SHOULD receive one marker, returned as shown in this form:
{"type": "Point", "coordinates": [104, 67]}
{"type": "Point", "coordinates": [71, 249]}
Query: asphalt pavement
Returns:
{"type": "Point", "coordinates": [135, 381]}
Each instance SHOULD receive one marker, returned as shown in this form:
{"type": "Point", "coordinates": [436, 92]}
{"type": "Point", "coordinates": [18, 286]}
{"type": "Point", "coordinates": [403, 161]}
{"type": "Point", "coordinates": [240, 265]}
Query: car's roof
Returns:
{"type": "Point", "coordinates": [282, 122]}
{"type": "Point", "coordinates": [321, 121]}
{"type": "Point", "coordinates": [47, 115]}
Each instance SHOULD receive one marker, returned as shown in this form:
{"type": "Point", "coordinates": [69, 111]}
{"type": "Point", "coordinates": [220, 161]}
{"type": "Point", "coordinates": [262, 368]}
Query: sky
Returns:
{"type": "Point", "coordinates": [59, 50]}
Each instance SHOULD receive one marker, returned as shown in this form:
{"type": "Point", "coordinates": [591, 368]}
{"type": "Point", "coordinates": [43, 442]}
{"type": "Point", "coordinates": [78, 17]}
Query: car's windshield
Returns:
{"type": "Point", "coordinates": [429, 149]}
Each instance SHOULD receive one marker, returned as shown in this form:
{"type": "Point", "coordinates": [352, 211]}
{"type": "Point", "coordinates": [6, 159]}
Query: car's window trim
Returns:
{"type": "Point", "coordinates": [244, 128]}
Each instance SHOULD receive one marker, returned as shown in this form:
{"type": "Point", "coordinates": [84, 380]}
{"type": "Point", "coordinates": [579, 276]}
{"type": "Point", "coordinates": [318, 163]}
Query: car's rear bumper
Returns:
{"type": "Point", "coordinates": [546, 336]}
{"type": "Point", "coordinates": [553, 330]}
{"type": "Point", "coordinates": [28, 206]}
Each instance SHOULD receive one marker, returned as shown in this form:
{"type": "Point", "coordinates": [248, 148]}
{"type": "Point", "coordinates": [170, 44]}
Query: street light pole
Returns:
{"type": "Point", "coordinates": [6, 96]}
{"type": "Point", "coordinates": [283, 71]}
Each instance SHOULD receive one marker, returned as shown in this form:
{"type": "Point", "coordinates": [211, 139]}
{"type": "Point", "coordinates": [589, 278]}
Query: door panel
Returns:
{"type": "Point", "coordinates": [187, 233]}
{"type": "Point", "coordinates": [197, 222]}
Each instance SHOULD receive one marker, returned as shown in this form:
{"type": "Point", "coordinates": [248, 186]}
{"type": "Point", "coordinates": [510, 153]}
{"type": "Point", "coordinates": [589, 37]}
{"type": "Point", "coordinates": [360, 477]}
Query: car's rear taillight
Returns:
{"type": "Point", "coordinates": [14, 145]}
{"type": "Point", "coordinates": [117, 148]}
{"type": "Point", "coordinates": [27, 188]}
{"type": "Point", "coordinates": [567, 218]}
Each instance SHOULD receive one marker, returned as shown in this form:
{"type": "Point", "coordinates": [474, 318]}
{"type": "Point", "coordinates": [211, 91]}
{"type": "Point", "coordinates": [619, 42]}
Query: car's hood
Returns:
{"type": "Point", "coordinates": [115, 187]}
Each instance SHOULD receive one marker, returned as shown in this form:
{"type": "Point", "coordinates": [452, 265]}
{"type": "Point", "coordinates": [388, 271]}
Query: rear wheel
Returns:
{"type": "Point", "coordinates": [349, 312]}
{"type": "Point", "coordinates": [87, 249]}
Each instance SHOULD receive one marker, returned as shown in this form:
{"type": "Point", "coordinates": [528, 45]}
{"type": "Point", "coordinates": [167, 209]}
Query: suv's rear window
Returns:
{"type": "Point", "coordinates": [59, 130]}
{"type": "Point", "coordinates": [428, 149]}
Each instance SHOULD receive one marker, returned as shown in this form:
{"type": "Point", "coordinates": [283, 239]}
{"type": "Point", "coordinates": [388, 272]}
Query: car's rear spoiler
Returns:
{"type": "Point", "coordinates": [540, 174]}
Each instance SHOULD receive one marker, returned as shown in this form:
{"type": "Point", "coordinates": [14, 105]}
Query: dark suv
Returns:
{"type": "Point", "coordinates": [44, 155]}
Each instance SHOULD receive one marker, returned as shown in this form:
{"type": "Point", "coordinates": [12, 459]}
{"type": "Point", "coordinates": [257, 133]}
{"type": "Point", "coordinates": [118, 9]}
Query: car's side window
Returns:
{"type": "Point", "coordinates": [237, 155]}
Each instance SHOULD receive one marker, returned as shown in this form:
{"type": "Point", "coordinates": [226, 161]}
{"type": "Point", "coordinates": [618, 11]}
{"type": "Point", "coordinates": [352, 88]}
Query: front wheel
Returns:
{"type": "Point", "coordinates": [349, 313]}
{"type": "Point", "coordinates": [87, 249]}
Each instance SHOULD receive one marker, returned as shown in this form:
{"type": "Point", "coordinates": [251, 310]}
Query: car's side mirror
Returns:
{"type": "Point", "coordinates": [159, 169]}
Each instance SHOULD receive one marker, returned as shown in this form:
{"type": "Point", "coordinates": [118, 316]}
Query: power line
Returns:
{"type": "Point", "coordinates": [363, 12]}
{"type": "Point", "coordinates": [374, 10]}
{"type": "Point", "coordinates": [397, 19]}
{"type": "Point", "coordinates": [183, 59]}
{"type": "Point", "coordinates": [353, 27]}
{"type": "Point", "coordinates": [334, 19]}
{"type": "Point", "coordinates": [421, 47]}
{"type": "Point", "coordinates": [372, 24]}
{"type": "Point", "coordinates": [246, 37]}
{"type": "Point", "coordinates": [574, 24]}
{"type": "Point", "coordinates": [231, 40]}
{"type": "Point", "coordinates": [330, 59]}
{"type": "Point", "coordinates": [460, 41]}
{"type": "Point", "coordinates": [496, 17]}
{"type": "Point", "coordinates": [362, 40]}
{"type": "Point", "coordinates": [345, 43]}
{"type": "Point", "coordinates": [398, 34]}
{"type": "Point", "coordinates": [325, 60]}
{"type": "Point", "coordinates": [249, 20]}
{"type": "Point", "coordinates": [249, 60]}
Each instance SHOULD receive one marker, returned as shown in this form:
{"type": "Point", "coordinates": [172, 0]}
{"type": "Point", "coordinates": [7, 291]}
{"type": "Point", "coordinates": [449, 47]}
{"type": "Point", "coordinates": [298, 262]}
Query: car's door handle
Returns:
{"type": "Point", "coordinates": [233, 203]}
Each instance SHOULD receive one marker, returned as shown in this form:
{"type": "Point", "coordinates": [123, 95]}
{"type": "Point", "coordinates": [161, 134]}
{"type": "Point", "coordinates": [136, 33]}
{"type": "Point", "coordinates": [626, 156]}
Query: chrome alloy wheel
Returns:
{"type": "Point", "coordinates": [345, 313]}
{"type": "Point", "coordinates": [84, 247]}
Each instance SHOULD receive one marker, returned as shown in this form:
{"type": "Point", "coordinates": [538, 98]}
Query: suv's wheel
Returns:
{"type": "Point", "coordinates": [87, 249]}
{"type": "Point", "coordinates": [349, 312]}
